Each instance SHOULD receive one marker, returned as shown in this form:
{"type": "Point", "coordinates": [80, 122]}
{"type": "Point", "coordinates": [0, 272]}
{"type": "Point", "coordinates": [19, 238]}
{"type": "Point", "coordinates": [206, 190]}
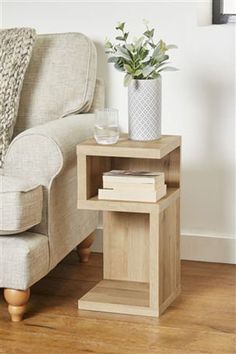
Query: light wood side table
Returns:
{"type": "Point", "coordinates": [141, 241]}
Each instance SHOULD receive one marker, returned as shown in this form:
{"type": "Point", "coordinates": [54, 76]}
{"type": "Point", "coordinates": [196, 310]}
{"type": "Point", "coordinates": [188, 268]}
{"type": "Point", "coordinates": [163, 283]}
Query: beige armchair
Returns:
{"type": "Point", "coordinates": [59, 93]}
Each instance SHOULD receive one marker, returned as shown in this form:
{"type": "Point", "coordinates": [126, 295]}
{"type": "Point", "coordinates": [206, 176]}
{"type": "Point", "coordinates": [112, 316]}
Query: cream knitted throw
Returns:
{"type": "Point", "coordinates": [15, 52]}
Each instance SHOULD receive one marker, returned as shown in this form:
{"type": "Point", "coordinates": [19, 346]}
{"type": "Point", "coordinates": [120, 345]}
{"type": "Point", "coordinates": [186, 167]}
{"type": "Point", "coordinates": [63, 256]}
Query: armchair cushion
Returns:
{"type": "Point", "coordinates": [24, 259]}
{"type": "Point", "coordinates": [21, 204]}
{"type": "Point", "coordinates": [60, 79]}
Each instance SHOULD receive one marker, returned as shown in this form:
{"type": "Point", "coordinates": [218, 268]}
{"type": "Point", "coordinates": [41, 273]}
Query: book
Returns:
{"type": "Point", "coordinates": [132, 186]}
{"type": "Point", "coordinates": [129, 176]}
{"type": "Point", "coordinates": [137, 195]}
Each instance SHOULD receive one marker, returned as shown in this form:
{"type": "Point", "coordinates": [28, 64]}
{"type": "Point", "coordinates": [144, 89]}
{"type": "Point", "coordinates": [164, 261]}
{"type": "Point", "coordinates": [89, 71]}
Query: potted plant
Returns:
{"type": "Point", "coordinates": [142, 61]}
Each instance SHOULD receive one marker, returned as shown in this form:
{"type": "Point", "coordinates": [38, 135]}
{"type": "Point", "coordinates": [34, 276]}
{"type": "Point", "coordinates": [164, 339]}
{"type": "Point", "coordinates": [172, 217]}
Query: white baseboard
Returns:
{"type": "Point", "coordinates": [208, 248]}
{"type": "Point", "coordinates": [196, 248]}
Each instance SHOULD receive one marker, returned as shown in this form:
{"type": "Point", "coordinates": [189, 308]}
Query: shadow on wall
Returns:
{"type": "Point", "coordinates": [218, 99]}
{"type": "Point", "coordinates": [103, 68]}
{"type": "Point", "coordinates": [206, 196]}
{"type": "Point", "coordinates": [208, 185]}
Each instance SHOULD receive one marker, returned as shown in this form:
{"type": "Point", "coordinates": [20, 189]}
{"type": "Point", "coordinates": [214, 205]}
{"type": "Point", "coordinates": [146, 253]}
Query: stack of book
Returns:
{"type": "Point", "coordinates": [139, 186]}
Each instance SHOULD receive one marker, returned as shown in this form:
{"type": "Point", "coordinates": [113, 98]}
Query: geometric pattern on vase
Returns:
{"type": "Point", "coordinates": [144, 109]}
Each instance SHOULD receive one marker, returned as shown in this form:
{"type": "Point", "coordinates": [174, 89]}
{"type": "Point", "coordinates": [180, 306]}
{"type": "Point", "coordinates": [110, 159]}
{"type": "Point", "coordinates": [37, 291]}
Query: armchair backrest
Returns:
{"type": "Point", "coordinates": [59, 81]}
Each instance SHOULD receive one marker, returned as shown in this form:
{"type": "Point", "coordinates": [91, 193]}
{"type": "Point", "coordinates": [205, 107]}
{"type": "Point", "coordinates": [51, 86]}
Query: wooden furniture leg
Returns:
{"type": "Point", "coordinates": [83, 249]}
{"type": "Point", "coordinates": [17, 300]}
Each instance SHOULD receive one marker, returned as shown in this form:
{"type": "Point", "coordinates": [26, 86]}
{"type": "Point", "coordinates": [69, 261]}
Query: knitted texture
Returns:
{"type": "Point", "coordinates": [16, 46]}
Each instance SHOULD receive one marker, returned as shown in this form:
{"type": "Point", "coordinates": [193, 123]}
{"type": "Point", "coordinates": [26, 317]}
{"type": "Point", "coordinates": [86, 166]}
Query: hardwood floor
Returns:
{"type": "Point", "coordinates": [201, 320]}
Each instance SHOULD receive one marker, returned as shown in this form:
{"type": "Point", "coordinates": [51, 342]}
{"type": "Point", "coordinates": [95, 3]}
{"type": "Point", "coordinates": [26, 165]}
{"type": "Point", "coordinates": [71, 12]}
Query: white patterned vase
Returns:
{"type": "Point", "coordinates": [144, 106]}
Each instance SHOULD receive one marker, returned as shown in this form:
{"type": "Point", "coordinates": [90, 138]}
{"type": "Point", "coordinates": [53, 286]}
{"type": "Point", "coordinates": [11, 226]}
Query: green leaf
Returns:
{"type": "Point", "coordinates": [168, 68]}
{"type": "Point", "coordinates": [119, 38]}
{"type": "Point", "coordinates": [152, 32]}
{"type": "Point", "coordinates": [149, 33]}
{"type": "Point", "coordinates": [143, 53]}
{"type": "Point", "coordinates": [171, 46]}
{"type": "Point", "coordinates": [120, 26]}
{"type": "Point", "coordinates": [119, 67]}
{"type": "Point", "coordinates": [152, 45]}
{"type": "Point", "coordinates": [156, 52]}
{"type": "Point", "coordinates": [112, 60]}
{"type": "Point", "coordinates": [145, 62]}
{"type": "Point", "coordinates": [155, 75]}
{"type": "Point", "coordinates": [163, 47]}
{"type": "Point", "coordinates": [122, 52]}
{"type": "Point", "coordinates": [130, 47]}
{"type": "Point", "coordinates": [162, 64]}
{"type": "Point", "coordinates": [138, 72]}
{"type": "Point", "coordinates": [148, 70]}
{"type": "Point", "coordinates": [126, 34]}
{"type": "Point", "coordinates": [108, 51]}
{"type": "Point", "coordinates": [108, 45]}
{"type": "Point", "coordinates": [161, 58]}
{"type": "Point", "coordinates": [127, 79]}
{"type": "Point", "coordinates": [138, 43]}
{"type": "Point", "coordinates": [128, 68]}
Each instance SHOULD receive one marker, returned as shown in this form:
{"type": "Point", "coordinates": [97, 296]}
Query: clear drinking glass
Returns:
{"type": "Point", "coordinates": [106, 129]}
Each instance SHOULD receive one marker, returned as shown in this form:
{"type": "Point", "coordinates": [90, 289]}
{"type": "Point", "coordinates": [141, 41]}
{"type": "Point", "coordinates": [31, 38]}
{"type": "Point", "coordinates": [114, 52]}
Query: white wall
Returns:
{"type": "Point", "coordinates": [198, 101]}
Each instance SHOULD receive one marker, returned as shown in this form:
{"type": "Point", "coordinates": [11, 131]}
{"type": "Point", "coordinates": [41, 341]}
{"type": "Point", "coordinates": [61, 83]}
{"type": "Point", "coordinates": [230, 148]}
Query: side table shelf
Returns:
{"type": "Point", "coordinates": [94, 203]}
{"type": "Point", "coordinates": [141, 249]}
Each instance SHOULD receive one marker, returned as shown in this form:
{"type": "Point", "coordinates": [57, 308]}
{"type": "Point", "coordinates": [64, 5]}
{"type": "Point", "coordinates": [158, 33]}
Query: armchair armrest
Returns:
{"type": "Point", "coordinates": [40, 153]}
{"type": "Point", "coordinates": [46, 154]}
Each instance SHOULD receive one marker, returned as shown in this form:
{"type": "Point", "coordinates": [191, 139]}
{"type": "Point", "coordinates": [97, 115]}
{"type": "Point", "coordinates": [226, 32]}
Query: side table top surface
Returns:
{"type": "Point", "coordinates": [128, 148]}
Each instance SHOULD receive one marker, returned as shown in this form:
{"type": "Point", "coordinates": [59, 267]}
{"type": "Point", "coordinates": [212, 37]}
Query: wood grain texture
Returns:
{"type": "Point", "coordinates": [140, 207]}
{"type": "Point", "coordinates": [96, 165]}
{"type": "Point", "coordinates": [201, 320]}
{"type": "Point", "coordinates": [154, 263]}
{"type": "Point", "coordinates": [169, 254]}
{"type": "Point", "coordinates": [117, 296]}
{"type": "Point", "coordinates": [17, 300]}
{"type": "Point", "coordinates": [169, 164]}
{"type": "Point", "coordinates": [89, 172]}
{"type": "Point", "coordinates": [126, 246]}
{"type": "Point", "coordinates": [142, 248]}
{"type": "Point", "coordinates": [128, 148]}
{"type": "Point", "coordinates": [139, 239]}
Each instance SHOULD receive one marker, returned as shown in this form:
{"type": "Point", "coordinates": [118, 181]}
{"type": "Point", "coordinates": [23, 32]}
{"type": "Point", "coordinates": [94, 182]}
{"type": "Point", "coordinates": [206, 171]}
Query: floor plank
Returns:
{"type": "Point", "coordinates": [201, 320]}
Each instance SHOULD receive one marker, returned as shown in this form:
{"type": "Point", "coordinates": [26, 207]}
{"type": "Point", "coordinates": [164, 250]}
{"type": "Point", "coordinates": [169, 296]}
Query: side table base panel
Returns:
{"type": "Point", "coordinates": [116, 296]}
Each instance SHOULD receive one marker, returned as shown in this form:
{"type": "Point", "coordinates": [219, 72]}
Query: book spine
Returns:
{"type": "Point", "coordinates": [133, 186]}
{"type": "Point", "coordinates": [147, 196]}
{"type": "Point", "coordinates": [119, 197]}
{"type": "Point", "coordinates": [138, 180]}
